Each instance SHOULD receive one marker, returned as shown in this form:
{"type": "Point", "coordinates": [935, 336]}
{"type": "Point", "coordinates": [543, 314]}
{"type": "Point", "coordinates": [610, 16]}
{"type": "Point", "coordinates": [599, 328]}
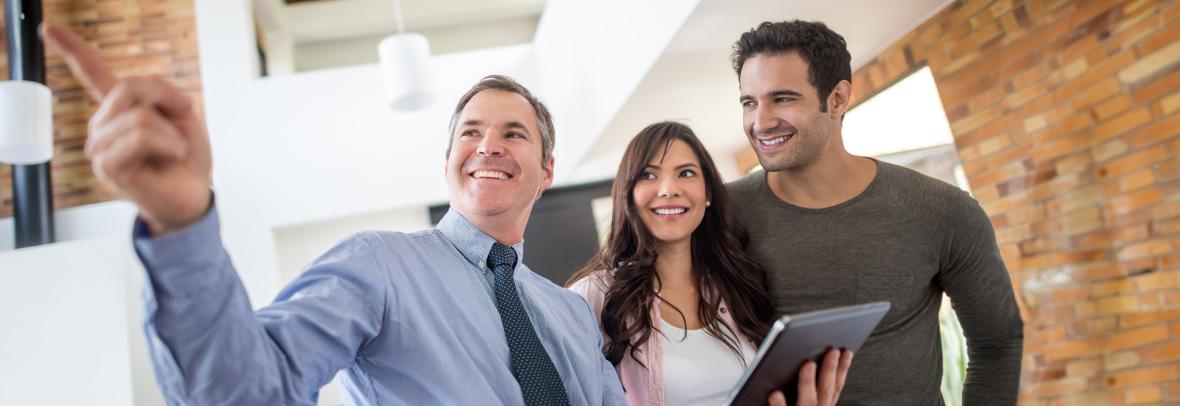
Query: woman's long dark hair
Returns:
{"type": "Point", "coordinates": [721, 267]}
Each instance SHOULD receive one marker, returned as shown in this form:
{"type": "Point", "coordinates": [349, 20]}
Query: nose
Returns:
{"type": "Point", "coordinates": [669, 188]}
{"type": "Point", "coordinates": [491, 144]}
{"type": "Point", "coordinates": [763, 120]}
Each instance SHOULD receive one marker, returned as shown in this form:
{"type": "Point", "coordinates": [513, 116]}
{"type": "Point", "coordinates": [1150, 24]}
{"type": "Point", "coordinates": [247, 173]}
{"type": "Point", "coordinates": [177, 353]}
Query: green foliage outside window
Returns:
{"type": "Point", "coordinates": [954, 356]}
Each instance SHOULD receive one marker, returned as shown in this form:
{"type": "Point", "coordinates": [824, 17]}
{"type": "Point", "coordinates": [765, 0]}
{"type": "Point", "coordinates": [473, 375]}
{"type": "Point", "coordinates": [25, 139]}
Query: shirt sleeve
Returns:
{"type": "Point", "coordinates": [977, 282]}
{"type": "Point", "coordinates": [209, 347]}
{"type": "Point", "coordinates": [612, 393]}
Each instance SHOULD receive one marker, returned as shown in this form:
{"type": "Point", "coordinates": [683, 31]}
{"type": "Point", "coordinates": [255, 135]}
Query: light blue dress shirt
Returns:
{"type": "Point", "coordinates": [409, 318]}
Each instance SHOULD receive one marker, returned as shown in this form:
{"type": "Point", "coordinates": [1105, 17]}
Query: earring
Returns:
{"type": "Point", "coordinates": [707, 203]}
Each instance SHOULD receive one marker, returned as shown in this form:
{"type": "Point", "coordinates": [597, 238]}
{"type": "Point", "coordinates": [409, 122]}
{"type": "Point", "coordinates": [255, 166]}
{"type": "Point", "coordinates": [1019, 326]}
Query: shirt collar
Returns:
{"type": "Point", "coordinates": [473, 243]}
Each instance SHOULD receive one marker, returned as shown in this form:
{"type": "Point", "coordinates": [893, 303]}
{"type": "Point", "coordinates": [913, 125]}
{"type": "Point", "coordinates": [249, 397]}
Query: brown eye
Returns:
{"type": "Point", "coordinates": [647, 176]}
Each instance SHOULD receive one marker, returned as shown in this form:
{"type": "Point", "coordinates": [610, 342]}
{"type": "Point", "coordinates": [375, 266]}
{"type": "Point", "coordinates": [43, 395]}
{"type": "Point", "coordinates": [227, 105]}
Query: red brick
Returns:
{"type": "Point", "coordinates": [1144, 394]}
{"type": "Point", "coordinates": [1167, 351]}
{"type": "Point", "coordinates": [1074, 349]}
{"type": "Point", "coordinates": [1164, 37]}
{"type": "Point", "coordinates": [1111, 107]}
{"type": "Point", "coordinates": [1117, 305]}
{"type": "Point", "coordinates": [1166, 227]}
{"type": "Point", "coordinates": [1141, 376]}
{"type": "Point", "coordinates": [1113, 287]}
{"type": "Point", "coordinates": [1146, 249]}
{"type": "Point", "coordinates": [1101, 71]}
{"type": "Point", "coordinates": [1132, 162]}
{"type": "Point", "coordinates": [1058, 388]}
{"type": "Point", "coordinates": [1152, 90]}
{"type": "Point", "coordinates": [1172, 389]}
{"type": "Point", "coordinates": [1136, 180]}
{"type": "Point", "coordinates": [1164, 129]}
{"type": "Point", "coordinates": [1114, 361]}
{"type": "Point", "coordinates": [1137, 337]}
{"type": "Point", "coordinates": [1143, 318]}
{"type": "Point", "coordinates": [1149, 65]}
{"type": "Point", "coordinates": [1123, 123]}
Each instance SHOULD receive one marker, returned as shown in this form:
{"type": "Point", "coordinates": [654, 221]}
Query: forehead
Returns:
{"type": "Point", "coordinates": [497, 107]}
{"type": "Point", "coordinates": [675, 153]}
{"type": "Point", "coordinates": [764, 73]}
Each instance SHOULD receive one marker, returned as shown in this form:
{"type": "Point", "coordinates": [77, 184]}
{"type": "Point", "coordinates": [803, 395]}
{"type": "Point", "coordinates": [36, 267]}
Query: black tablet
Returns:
{"type": "Point", "coordinates": [794, 339]}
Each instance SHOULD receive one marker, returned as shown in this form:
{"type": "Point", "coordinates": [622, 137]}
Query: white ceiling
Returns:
{"type": "Point", "coordinates": [692, 81]}
{"type": "Point", "coordinates": [337, 33]}
{"type": "Point", "coordinates": [342, 19]}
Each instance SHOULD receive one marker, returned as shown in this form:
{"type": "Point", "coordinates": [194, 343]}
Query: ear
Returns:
{"type": "Point", "coordinates": [547, 179]}
{"type": "Point", "coordinates": [839, 99]}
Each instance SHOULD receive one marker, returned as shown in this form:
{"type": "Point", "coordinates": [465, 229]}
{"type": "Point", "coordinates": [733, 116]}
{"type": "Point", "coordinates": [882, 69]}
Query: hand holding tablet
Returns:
{"type": "Point", "coordinates": [788, 358]}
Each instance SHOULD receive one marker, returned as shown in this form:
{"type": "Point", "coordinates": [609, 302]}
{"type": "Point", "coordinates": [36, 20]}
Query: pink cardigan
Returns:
{"type": "Point", "coordinates": [643, 386]}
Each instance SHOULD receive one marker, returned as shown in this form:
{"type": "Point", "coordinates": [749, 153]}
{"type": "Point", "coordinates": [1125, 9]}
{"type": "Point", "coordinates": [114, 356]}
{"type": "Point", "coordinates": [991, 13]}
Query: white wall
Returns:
{"type": "Point", "coordinates": [65, 337]}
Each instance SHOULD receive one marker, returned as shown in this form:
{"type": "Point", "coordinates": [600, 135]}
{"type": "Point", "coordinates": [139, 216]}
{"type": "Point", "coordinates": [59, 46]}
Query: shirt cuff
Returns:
{"type": "Point", "coordinates": [184, 261]}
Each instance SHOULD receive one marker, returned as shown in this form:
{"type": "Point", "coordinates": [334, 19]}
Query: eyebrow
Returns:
{"type": "Point", "coordinates": [681, 166]}
{"type": "Point", "coordinates": [775, 93]}
{"type": "Point", "coordinates": [515, 125]}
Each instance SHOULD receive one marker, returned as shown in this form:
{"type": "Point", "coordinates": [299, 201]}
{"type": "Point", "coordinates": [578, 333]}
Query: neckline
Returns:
{"type": "Point", "coordinates": [665, 323]}
{"type": "Point", "coordinates": [764, 188]}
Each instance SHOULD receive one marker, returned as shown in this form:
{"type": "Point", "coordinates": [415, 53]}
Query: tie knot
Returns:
{"type": "Point", "coordinates": [501, 255]}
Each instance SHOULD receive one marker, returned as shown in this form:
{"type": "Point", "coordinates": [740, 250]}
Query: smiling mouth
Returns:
{"type": "Point", "coordinates": [670, 211]}
{"type": "Point", "coordinates": [770, 142]}
{"type": "Point", "coordinates": [491, 175]}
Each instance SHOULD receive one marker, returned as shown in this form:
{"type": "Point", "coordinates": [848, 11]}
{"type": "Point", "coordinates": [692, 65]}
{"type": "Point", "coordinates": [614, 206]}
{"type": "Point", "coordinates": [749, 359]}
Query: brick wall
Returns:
{"type": "Point", "coordinates": [1065, 118]}
{"type": "Point", "coordinates": [144, 37]}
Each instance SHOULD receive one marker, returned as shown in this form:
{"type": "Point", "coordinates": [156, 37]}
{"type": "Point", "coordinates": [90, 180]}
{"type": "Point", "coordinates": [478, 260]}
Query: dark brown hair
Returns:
{"type": "Point", "coordinates": [825, 51]}
{"type": "Point", "coordinates": [507, 84]}
{"type": "Point", "coordinates": [722, 269]}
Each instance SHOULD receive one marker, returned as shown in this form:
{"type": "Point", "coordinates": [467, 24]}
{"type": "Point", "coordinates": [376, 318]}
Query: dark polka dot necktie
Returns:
{"type": "Point", "coordinates": [539, 381]}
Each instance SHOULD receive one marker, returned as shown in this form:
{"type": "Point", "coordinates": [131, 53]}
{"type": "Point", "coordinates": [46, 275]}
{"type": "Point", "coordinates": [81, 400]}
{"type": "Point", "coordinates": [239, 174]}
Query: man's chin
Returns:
{"type": "Point", "coordinates": [488, 206]}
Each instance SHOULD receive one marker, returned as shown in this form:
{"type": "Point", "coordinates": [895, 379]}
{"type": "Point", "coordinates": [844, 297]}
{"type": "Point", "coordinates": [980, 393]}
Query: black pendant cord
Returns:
{"type": "Point", "coordinates": [32, 191]}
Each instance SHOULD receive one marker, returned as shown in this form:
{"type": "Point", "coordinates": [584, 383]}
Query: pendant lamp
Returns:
{"type": "Point", "coordinates": [26, 123]}
{"type": "Point", "coordinates": [405, 60]}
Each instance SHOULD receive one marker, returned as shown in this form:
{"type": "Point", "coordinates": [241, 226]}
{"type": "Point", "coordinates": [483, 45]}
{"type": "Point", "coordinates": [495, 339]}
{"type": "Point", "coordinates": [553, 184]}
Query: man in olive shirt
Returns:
{"type": "Point", "coordinates": [835, 229]}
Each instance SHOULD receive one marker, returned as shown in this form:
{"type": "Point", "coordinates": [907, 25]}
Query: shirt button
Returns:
{"type": "Point", "coordinates": [481, 265]}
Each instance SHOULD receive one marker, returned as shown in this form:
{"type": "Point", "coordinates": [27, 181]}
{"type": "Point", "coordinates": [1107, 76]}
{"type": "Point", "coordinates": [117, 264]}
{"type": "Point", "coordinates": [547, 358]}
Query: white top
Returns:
{"type": "Point", "coordinates": [699, 369]}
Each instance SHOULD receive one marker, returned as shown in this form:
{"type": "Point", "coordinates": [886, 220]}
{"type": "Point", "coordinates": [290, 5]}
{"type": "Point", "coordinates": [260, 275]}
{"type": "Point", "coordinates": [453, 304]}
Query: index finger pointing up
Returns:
{"type": "Point", "coordinates": [82, 59]}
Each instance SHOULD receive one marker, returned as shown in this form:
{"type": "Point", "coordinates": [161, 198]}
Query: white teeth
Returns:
{"type": "Point", "coordinates": [666, 212]}
{"type": "Point", "coordinates": [774, 141]}
{"type": "Point", "coordinates": [490, 174]}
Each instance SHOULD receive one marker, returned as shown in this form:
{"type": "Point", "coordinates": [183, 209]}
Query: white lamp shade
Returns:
{"type": "Point", "coordinates": [26, 123]}
{"type": "Point", "coordinates": [405, 70]}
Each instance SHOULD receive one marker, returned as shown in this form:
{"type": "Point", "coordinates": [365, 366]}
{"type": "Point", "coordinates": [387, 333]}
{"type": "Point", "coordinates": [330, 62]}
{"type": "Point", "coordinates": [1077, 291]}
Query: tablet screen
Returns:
{"type": "Point", "coordinates": [797, 338]}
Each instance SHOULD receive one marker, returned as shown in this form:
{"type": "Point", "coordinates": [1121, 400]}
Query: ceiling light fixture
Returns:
{"type": "Point", "coordinates": [26, 123]}
{"type": "Point", "coordinates": [405, 59]}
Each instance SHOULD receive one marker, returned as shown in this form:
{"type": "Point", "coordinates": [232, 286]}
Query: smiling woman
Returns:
{"type": "Point", "coordinates": [680, 303]}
